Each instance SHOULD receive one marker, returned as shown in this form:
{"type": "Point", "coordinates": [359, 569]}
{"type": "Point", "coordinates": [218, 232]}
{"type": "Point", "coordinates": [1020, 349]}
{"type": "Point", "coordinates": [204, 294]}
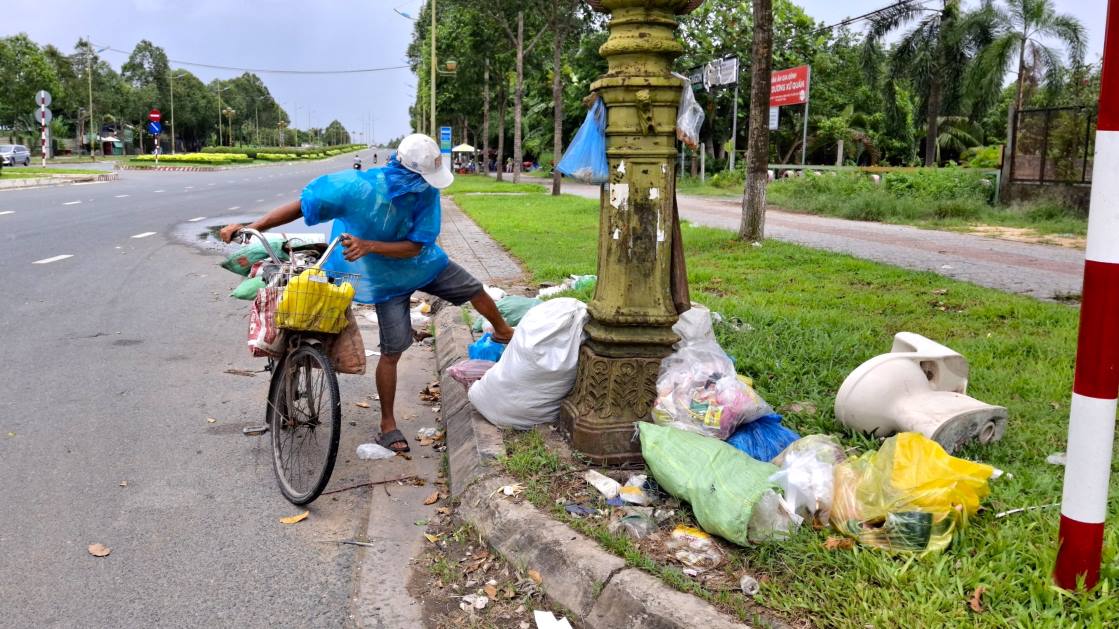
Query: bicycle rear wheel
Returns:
{"type": "Point", "coordinates": [305, 419]}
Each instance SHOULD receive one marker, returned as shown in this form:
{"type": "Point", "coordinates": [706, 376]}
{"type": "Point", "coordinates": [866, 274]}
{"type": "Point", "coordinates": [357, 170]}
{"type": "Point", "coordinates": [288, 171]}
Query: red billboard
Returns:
{"type": "Point", "coordinates": [789, 87]}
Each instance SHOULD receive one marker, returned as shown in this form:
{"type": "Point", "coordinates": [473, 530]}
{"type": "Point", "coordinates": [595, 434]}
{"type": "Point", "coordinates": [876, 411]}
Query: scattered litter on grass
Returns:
{"type": "Point", "coordinates": [694, 548]}
{"type": "Point", "coordinates": [295, 519]}
{"type": "Point", "coordinates": [976, 600]}
{"type": "Point", "coordinates": [839, 543]}
{"type": "Point", "coordinates": [474, 601]}
{"type": "Point", "coordinates": [579, 510]}
{"type": "Point", "coordinates": [608, 487]}
{"type": "Point", "coordinates": [800, 408]}
{"type": "Point", "coordinates": [431, 538]}
{"type": "Point", "coordinates": [535, 576]}
{"type": "Point", "coordinates": [99, 550]}
{"type": "Point", "coordinates": [749, 585]}
{"type": "Point", "coordinates": [1003, 514]}
{"type": "Point", "coordinates": [1057, 458]}
{"type": "Point", "coordinates": [635, 524]}
{"type": "Point", "coordinates": [510, 490]}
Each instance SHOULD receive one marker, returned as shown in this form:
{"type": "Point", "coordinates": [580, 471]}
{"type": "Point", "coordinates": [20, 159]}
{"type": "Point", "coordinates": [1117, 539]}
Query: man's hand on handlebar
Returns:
{"type": "Point", "coordinates": [355, 248]}
{"type": "Point", "coordinates": [229, 231]}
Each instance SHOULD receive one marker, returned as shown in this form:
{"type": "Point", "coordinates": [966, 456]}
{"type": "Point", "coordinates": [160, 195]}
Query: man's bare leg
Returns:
{"type": "Point", "coordinates": [483, 303]}
{"type": "Point", "coordinates": [385, 377]}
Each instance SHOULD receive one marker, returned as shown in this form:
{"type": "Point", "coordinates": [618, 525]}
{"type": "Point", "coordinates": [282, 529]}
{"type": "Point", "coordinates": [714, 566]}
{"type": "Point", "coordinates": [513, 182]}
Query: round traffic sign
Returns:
{"type": "Point", "coordinates": [154, 115]}
{"type": "Point", "coordinates": [43, 98]}
{"type": "Point", "coordinates": [38, 115]}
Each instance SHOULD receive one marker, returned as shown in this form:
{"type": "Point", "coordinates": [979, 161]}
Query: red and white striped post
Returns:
{"type": "Point", "coordinates": [43, 132]}
{"type": "Point", "coordinates": [1091, 429]}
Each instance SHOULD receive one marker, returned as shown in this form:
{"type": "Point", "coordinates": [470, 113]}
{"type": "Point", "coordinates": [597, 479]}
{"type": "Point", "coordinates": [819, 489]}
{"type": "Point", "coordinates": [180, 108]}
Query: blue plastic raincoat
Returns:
{"type": "Point", "coordinates": [389, 204]}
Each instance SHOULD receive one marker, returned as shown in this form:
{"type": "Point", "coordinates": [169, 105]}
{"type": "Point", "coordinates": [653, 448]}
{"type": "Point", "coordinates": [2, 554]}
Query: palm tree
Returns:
{"type": "Point", "coordinates": [1025, 27]}
{"type": "Point", "coordinates": [934, 55]}
{"type": "Point", "coordinates": [957, 133]}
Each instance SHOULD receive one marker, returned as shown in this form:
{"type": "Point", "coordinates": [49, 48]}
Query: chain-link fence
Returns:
{"type": "Point", "coordinates": [1053, 145]}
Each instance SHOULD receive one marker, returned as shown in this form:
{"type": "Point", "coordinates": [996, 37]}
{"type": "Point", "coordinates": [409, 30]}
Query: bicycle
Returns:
{"type": "Point", "coordinates": [303, 413]}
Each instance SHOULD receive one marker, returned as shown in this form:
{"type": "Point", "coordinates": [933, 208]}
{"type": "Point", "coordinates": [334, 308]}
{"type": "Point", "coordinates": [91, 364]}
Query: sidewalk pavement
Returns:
{"type": "Point", "coordinates": [1041, 271]}
{"type": "Point", "coordinates": [54, 180]}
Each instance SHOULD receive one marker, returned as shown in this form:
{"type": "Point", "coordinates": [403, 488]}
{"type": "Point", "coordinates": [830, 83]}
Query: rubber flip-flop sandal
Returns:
{"type": "Point", "coordinates": [393, 437]}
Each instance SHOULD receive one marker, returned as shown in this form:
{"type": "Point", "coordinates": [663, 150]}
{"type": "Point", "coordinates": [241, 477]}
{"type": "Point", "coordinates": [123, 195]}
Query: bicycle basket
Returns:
{"type": "Point", "coordinates": [315, 300]}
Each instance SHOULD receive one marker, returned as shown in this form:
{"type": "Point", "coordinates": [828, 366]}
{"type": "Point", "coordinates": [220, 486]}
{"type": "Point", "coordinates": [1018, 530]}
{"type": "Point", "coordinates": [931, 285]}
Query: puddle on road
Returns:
{"type": "Point", "coordinates": [204, 234]}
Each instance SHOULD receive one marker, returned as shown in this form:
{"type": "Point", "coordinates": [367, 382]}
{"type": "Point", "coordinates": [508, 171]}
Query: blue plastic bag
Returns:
{"type": "Point", "coordinates": [585, 157]}
{"type": "Point", "coordinates": [486, 348]}
{"type": "Point", "coordinates": [764, 438]}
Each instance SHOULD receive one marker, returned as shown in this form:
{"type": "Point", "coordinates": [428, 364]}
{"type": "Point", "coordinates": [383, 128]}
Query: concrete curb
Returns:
{"type": "Point", "coordinates": [55, 180]}
{"type": "Point", "coordinates": [592, 584]}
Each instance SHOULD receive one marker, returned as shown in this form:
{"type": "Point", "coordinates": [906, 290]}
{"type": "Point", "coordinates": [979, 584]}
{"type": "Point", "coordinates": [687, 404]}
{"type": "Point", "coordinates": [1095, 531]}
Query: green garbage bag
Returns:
{"type": "Point", "coordinates": [720, 481]}
{"type": "Point", "coordinates": [242, 261]}
{"type": "Point", "coordinates": [248, 288]}
{"type": "Point", "coordinates": [512, 309]}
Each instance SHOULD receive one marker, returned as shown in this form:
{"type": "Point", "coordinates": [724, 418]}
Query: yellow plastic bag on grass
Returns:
{"type": "Point", "coordinates": [311, 303]}
{"type": "Point", "coordinates": [909, 495]}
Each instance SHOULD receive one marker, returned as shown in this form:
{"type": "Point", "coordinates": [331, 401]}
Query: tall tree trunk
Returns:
{"type": "Point", "coordinates": [757, 154]}
{"type": "Point", "coordinates": [486, 119]}
{"type": "Point", "coordinates": [518, 99]}
{"type": "Point", "coordinates": [501, 131]}
{"type": "Point", "coordinates": [557, 108]}
{"type": "Point", "coordinates": [931, 128]}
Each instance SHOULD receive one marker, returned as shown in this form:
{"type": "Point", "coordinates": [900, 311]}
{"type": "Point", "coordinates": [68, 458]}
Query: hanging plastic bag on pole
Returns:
{"type": "Point", "coordinates": [689, 117]}
{"type": "Point", "coordinates": [585, 157]}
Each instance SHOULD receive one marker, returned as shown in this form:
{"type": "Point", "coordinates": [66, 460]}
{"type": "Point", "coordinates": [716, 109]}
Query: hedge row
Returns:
{"type": "Point", "coordinates": [198, 158]}
{"type": "Point", "coordinates": [291, 152]}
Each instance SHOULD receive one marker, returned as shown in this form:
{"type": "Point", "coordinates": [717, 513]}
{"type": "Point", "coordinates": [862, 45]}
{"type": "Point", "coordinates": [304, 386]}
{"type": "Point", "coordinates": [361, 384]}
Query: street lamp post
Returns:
{"type": "Point", "coordinates": [220, 90]}
{"type": "Point", "coordinates": [630, 318]}
{"type": "Point", "coordinates": [433, 66]}
{"type": "Point", "coordinates": [229, 113]}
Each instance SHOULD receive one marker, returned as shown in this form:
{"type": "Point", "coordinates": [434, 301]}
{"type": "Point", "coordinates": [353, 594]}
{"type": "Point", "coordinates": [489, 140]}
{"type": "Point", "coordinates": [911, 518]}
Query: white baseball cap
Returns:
{"type": "Point", "coordinates": [420, 154]}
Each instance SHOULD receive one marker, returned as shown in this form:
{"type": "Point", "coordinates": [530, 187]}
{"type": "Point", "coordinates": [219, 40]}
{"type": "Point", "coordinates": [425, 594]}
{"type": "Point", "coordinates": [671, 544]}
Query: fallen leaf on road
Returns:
{"type": "Point", "coordinates": [432, 499]}
{"type": "Point", "coordinates": [431, 538]}
{"type": "Point", "coordinates": [241, 372]}
{"type": "Point", "coordinates": [99, 550]}
{"type": "Point", "coordinates": [839, 543]}
{"type": "Point", "coordinates": [361, 404]}
{"type": "Point", "coordinates": [426, 441]}
{"type": "Point", "coordinates": [295, 518]}
{"type": "Point", "coordinates": [535, 576]}
{"type": "Point", "coordinates": [976, 603]}
{"type": "Point", "coordinates": [490, 591]}
{"type": "Point", "coordinates": [211, 420]}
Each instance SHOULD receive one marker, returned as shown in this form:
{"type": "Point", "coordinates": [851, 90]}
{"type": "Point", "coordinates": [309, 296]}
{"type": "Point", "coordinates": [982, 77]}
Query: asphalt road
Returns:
{"type": "Point", "coordinates": [117, 334]}
{"type": "Point", "coordinates": [1038, 270]}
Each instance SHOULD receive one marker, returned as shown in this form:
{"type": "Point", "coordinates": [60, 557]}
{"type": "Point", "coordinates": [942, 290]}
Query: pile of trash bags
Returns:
{"type": "Point", "coordinates": [717, 444]}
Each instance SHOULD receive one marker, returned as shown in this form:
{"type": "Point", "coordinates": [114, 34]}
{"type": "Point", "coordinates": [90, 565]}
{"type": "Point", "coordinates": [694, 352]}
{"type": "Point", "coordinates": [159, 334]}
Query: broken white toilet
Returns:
{"type": "Point", "coordinates": [920, 387]}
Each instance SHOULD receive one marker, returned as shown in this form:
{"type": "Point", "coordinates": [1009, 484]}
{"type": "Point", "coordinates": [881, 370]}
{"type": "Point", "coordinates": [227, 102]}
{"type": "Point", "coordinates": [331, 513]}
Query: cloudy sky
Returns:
{"type": "Point", "coordinates": [318, 35]}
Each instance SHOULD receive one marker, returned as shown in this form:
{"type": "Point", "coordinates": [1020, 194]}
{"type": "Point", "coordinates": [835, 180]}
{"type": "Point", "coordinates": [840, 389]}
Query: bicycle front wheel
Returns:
{"type": "Point", "coordinates": [305, 419]}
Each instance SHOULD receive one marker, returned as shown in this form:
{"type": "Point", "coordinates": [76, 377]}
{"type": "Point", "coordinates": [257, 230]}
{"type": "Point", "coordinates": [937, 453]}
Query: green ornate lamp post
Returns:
{"type": "Point", "coordinates": [632, 312]}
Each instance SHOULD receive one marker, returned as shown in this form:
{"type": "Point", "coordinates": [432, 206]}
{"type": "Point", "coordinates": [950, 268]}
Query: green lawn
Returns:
{"type": "Point", "coordinates": [35, 171]}
{"type": "Point", "coordinates": [808, 318]}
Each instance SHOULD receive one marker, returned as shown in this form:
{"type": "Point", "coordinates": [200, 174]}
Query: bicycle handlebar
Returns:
{"type": "Point", "coordinates": [246, 232]}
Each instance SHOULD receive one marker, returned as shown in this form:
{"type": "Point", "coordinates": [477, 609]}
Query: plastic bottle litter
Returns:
{"type": "Point", "coordinates": [605, 485]}
{"type": "Point", "coordinates": [634, 525]}
{"type": "Point", "coordinates": [633, 491]}
{"type": "Point", "coordinates": [773, 519]}
{"type": "Point", "coordinates": [749, 585]}
{"type": "Point", "coordinates": [374, 452]}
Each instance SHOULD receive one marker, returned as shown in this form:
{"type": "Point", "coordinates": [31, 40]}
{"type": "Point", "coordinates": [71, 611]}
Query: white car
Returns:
{"type": "Point", "coordinates": [14, 154]}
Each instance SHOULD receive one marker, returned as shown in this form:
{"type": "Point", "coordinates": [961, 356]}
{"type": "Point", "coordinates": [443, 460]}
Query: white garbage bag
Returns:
{"type": "Point", "coordinates": [537, 370]}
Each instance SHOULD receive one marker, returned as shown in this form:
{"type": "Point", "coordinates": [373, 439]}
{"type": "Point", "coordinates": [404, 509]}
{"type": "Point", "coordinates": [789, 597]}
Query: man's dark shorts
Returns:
{"type": "Point", "coordinates": [394, 319]}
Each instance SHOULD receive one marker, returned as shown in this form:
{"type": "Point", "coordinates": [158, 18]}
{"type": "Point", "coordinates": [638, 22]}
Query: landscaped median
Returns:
{"type": "Point", "coordinates": [213, 156]}
{"type": "Point", "coordinates": [798, 321]}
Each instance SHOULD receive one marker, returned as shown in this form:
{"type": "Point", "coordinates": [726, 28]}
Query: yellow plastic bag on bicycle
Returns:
{"type": "Point", "coordinates": [910, 495]}
{"type": "Point", "coordinates": [311, 303]}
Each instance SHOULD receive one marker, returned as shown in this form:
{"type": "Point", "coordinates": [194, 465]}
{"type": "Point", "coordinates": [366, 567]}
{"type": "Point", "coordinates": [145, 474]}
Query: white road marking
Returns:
{"type": "Point", "coordinates": [196, 219]}
{"type": "Point", "coordinates": [71, 203]}
{"type": "Point", "coordinates": [211, 184]}
{"type": "Point", "coordinates": [144, 235]}
{"type": "Point", "coordinates": [6, 212]}
{"type": "Point", "coordinates": [187, 187]}
{"type": "Point", "coordinates": [235, 207]}
{"type": "Point", "coordinates": [120, 196]}
{"type": "Point", "coordinates": [158, 191]}
{"type": "Point", "coordinates": [54, 259]}
{"type": "Point", "coordinates": [259, 201]}
{"type": "Point", "coordinates": [279, 194]}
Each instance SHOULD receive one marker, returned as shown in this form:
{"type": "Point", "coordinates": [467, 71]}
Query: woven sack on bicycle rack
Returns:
{"type": "Point", "coordinates": [347, 350]}
{"type": "Point", "coordinates": [312, 303]}
{"type": "Point", "coordinates": [265, 339]}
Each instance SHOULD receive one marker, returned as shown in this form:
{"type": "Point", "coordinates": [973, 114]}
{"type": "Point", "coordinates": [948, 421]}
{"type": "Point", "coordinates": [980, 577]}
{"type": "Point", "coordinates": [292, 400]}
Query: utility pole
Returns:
{"type": "Point", "coordinates": [89, 76]}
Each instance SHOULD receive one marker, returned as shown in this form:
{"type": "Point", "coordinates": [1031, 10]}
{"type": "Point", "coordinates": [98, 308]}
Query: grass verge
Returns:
{"type": "Point", "coordinates": [803, 320]}
{"type": "Point", "coordinates": [23, 173]}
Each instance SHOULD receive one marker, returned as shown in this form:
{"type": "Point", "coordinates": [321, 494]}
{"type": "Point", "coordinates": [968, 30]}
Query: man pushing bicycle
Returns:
{"type": "Point", "coordinates": [389, 219]}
